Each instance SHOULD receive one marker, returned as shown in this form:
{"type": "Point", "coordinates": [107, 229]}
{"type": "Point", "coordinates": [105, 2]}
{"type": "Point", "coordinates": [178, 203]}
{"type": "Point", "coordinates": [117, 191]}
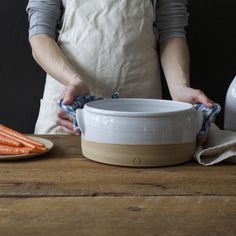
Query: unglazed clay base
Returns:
{"type": "Point", "coordinates": [138, 155]}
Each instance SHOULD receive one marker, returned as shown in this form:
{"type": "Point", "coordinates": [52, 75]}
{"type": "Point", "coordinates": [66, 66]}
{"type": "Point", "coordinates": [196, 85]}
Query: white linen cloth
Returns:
{"type": "Point", "coordinates": [220, 146]}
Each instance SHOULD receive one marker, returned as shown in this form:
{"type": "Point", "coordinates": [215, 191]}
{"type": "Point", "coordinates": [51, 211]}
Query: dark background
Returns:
{"type": "Point", "coordinates": [212, 41]}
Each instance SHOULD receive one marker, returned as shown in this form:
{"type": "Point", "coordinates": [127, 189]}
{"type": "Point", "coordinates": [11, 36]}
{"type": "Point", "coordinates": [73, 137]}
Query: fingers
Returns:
{"type": "Point", "coordinates": [75, 89]}
{"type": "Point", "coordinates": [65, 122]}
{"type": "Point", "coordinates": [200, 97]}
{"type": "Point", "coordinates": [72, 90]}
{"type": "Point", "coordinates": [62, 115]}
{"type": "Point", "coordinates": [190, 95]}
{"type": "Point", "coordinates": [69, 131]}
{"type": "Point", "coordinates": [67, 126]}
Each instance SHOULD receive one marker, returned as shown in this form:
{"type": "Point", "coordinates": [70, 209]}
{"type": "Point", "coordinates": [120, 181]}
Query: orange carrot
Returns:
{"type": "Point", "coordinates": [38, 149]}
{"type": "Point", "coordinates": [33, 148]}
{"type": "Point", "coordinates": [9, 141]}
{"type": "Point", "coordinates": [26, 144]}
{"type": "Point", "coordinates": [4, 149]}
{"type": "Point", "coordinates": [20, 137]}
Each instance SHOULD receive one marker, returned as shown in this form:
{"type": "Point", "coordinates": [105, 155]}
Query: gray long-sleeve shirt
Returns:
{"type": "Point", "coordinates": [46, 16]}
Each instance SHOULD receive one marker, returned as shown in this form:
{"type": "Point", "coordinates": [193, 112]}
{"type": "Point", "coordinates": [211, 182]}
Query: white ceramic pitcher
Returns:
{"type": "Point", "coordinates": [230, 107]}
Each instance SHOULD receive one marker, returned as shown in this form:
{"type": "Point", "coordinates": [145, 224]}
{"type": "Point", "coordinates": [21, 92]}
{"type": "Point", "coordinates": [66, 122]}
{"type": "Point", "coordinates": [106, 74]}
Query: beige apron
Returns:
{"type": "Point", "coordinates": [112, 44]}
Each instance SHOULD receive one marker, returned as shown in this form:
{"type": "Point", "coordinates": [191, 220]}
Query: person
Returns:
{"type": "Point", "coordinates": [106, 46]}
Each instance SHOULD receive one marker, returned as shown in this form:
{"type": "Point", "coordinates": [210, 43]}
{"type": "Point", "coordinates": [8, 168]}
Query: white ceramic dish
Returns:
{"type": "Point", "coordinates": [139, 121]}
{"type": "Point", "coordinates": [136, 122]}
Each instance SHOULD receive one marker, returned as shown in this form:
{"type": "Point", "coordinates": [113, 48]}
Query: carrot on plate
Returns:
{"type": "Point", "coordinates": [4, 150]}
{"type": "Point", "coordinates": [38, 149]}
{"type": "Point", "coordinates": [26, 144]}
{"type": "Point", "coordinates": [19, 136]}
{"type": "Point", "coordinates": [9, 141]}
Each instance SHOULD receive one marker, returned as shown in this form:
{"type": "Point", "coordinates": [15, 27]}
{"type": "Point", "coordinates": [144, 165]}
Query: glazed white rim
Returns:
{"type": "Point", "coordinates": [91, 107]}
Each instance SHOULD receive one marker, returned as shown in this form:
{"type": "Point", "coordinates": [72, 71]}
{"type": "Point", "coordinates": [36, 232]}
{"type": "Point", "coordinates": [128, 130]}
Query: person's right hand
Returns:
{"type": "Point", "coordinates": [185, 93]}
{"type": "Point", "coordinates": [77, 88]}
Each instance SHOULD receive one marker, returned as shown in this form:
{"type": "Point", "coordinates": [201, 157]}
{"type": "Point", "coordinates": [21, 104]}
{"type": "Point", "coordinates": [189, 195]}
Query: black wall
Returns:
{"type": "Point", "coordinates": [21, 78]}
{"type": "Point", "coordinates": [212, 41]}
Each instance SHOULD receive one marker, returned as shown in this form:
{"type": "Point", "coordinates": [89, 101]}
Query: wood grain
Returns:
{"type": "Point", "coordinates": [64, 144]}
{"type": "Point", "coordinates": [129, 216]}
{"type": "Point", "coordinates": [63, 193]}
{"type": "Point", "coordinates": [70, 174]}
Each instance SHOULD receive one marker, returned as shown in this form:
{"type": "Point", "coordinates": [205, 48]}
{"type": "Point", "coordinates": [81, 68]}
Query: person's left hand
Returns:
{"type": "Point", "coordinates": [186, 94]}
{"type": "Point", "coordinates": [71, 90]}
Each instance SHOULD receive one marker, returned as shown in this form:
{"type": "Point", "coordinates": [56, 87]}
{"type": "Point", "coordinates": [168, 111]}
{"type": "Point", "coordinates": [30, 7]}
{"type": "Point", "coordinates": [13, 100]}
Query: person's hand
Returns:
{"type": "Point", "coordinates": [186, 94]}
{"type": "Point", "coordinates": [77, 88]}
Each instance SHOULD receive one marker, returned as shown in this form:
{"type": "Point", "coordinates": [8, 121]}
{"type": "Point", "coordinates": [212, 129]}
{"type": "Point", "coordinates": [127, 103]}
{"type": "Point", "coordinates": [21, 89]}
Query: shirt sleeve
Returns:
{"type": "Point", "coordinates": [171, 19]}
{"type": "Point", "coordinates": [44, 17]}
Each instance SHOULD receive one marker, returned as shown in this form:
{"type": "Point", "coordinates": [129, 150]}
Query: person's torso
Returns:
{"type": "Point", "coordinates": [112, 44]}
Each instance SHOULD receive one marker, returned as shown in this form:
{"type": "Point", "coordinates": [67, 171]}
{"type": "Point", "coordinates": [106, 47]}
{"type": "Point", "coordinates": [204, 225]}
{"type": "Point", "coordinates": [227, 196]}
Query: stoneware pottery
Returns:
{"type": "Point", "coordinates": [230, 107]}
{"type": "Point", "coordinates": [139, 132]}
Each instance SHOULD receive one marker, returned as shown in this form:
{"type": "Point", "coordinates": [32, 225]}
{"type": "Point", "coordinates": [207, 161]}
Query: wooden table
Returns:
{"type": "Point", "coordinates": [62, 193]}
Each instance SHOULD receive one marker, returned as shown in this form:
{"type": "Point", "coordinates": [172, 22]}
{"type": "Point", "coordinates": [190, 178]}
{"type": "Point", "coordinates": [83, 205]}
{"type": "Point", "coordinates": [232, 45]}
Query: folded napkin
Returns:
{"type": "Point", "coordinates": [214, 145]}
{"type": "Point", "coordinates": [220, 146]}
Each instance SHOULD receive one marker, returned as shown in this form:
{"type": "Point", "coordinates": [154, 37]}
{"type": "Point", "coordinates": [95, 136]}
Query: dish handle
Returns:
{"type": "Point", "coordinates": [80, 119]}
{"type": "Point", "coordinates": [199, 120]}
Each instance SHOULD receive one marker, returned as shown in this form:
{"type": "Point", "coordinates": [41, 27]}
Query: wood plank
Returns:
{"type": "Point", "coordinates": [72, 176]}
{"type": "Point", "coordinates": [64, 144]}
{"type": "Point", "coordinates": [129, 216]}
{"type": "Point", "coordinates": [65, 172]}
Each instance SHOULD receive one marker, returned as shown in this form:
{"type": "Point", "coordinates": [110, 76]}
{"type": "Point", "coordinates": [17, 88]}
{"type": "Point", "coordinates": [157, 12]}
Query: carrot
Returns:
{"type": "Point", "coordinates": [26, 144]}
{"type": "Point", "coordinates": [33, 148]}
{"type": "Point", "coordinates": [38, 149]}
{"type": "Point", "coordinates": [4, 149]}
{"type": "Point", "coordinates": [19, 136]}
{"type": "Point", "coordinates": [9, 141]}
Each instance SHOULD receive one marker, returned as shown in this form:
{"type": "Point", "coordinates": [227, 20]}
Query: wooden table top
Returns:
{"type": "Point", "coordinates": [63, 193]}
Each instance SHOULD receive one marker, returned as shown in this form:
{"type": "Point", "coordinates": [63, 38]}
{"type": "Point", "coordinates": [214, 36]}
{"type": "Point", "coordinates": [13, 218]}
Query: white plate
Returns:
{"type": "Point", "coordinates": [48, 144]}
